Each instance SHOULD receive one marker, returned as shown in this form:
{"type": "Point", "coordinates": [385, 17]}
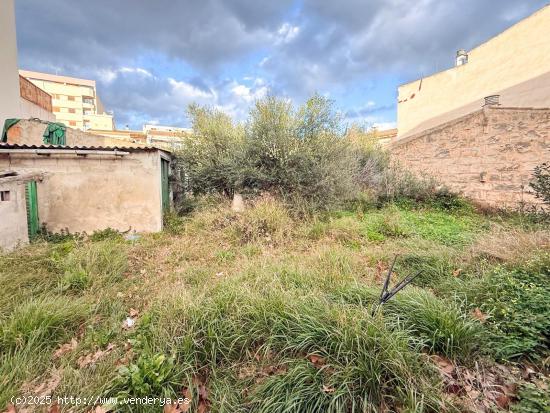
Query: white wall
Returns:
{"type": "Point", "coordinates": [13, 213]}
{"type": "Point", "coordinates": [30, 110]}
{"type": "Point", "coordinates": [9, 75]}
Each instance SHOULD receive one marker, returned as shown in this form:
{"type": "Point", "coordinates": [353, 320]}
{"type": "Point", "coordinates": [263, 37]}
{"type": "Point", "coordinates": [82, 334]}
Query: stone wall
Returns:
{"type": "Point", "coordinates": [488, 155]}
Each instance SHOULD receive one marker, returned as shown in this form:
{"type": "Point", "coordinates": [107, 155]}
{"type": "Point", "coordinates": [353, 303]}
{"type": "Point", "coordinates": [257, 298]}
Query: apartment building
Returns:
{"type": "Point", "coordinates": [74, 101]}
{"type": "Point", "coordinates": [169, 137]}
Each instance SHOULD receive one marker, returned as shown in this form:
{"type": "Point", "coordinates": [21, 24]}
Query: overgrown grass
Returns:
{"type": "Point", "coordinates": [271, 311]}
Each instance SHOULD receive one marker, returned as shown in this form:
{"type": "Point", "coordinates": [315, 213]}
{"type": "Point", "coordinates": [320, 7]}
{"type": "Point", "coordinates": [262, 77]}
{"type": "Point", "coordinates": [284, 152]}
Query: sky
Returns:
{"type": "Point", "coordinates": [152, 58]}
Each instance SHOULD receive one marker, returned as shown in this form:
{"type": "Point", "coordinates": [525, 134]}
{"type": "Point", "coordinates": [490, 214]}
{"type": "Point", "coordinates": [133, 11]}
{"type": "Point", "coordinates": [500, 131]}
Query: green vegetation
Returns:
{"type": "Point", "coordinates": [275, 308]}
{"type": "Point", "coordinates": [265, 311]}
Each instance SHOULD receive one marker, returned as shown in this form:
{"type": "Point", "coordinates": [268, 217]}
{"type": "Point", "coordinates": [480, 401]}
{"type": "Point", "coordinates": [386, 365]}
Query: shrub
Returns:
{"type": "Point", "coordinates": [212, 158]}
{"type": "Point", "coordinates": [541, 182]}
{"type": "Point", "coordinates": [300, 154]}
{"type": "Point", "coordinates": [104, 234]}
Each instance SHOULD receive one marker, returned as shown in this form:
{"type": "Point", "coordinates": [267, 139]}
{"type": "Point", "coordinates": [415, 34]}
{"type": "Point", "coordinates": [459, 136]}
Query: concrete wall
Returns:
{"type": "Point", "coordinates": [95, 192]}
{"type": "Point", "coordinates": [517, 55]}
{"type": "Point", "coordinates": [30, 110]}
{"type": "Point", "coordinates": [488, 155]}
{"type": "Point", "coordinates": [9, 77]}
{"type": "Point", "coordinates": [29, 132]}
{"type": "Point", "coordinates": [13, 213]}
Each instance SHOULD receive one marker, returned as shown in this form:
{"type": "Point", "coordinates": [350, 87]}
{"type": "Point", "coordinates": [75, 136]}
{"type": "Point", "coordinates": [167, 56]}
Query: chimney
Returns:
{"type": "Point", "coordinates": [461, 57]}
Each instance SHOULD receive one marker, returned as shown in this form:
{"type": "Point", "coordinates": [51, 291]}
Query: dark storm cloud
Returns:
{"type": "Point", "coordinates": [329, 46]}
{"type": "Point", "coordinates": [103, 32]}
{"type": "Point", "coordinates": [346, 40]}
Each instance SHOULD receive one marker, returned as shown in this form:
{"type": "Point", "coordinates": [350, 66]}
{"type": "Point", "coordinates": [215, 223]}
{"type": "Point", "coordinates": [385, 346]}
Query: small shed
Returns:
{"type": "Point", "coordinates": [81, 189]}
{"type": "Point", "coordinates": [18, 209]}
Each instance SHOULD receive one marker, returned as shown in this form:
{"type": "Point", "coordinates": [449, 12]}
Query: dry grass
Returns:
{"type": "Point", "coordinates": [511, 245]}
{"type": "Point", "coordinates": [225, 292]}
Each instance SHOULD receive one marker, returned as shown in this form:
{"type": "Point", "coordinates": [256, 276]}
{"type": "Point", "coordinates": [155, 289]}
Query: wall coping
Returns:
{"type": "Point", "coordinates": [444, 125]}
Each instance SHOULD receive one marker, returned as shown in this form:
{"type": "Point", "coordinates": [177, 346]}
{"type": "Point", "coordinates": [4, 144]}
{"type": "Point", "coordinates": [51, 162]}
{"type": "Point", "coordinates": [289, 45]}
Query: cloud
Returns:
{"type": "Point", "coordinates": [104, 32]}
{"type": "Point", "coordinates": [341, 43]}
{"type": "Point", "coordinates": [152, 58]}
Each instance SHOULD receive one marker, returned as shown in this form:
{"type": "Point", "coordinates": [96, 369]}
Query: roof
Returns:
{"type": "Point", "coordinates": [9, 146]}
{"type": "Point", "coordinates": [56, 78]}
{"type": "Point", "coordinates": [386, 133]}
{"type": "Point", "coordinates": [9, 176]}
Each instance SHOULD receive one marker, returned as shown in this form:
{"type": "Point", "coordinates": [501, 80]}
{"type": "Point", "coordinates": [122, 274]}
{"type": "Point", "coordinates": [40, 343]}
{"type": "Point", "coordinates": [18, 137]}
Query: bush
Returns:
{"type": "Point", "coordinates": [212, 158]}
{"type": "Point", "coordinates": [541, 182]}
{"type": "Point", "coordinates": [299, 154]}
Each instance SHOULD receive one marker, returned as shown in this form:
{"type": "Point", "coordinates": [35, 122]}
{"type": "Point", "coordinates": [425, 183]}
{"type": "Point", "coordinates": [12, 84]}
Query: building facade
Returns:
{"type": "Point", "coordinates": [75, 101]}
{"type": "Point", "coordinates": [18, 97]}
{"type": "Point", "coordinates": [515, 65]}
{"type": "Point", "coordinates": [169, 137]}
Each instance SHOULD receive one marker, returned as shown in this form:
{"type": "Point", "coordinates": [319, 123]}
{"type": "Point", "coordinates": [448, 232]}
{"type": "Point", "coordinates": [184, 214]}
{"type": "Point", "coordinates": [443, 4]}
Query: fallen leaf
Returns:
{"type": "Point", "coordinates": [65, 348]}
{"type": "Point", "coordinates": [10, 408]}
{"type": "Point", "coordinates": [457, 272]}
{"type": "Point", "coordinates": [317, 360]}
{"type": "Point", "coordinates": [48, 386]}
{"type": "Point", "coordinates": [503, 401]}
{"type": "Point", "coordinates": [203, 407]}
{"type": "Point", "coordinates": [133, 312]}
{"type": "Point", "coordinates": [328, 389]}
{"type": "Point", "coordinates": [203, 393]}
{"type": "Point", "coordinates": [54, 408]}
{"type": "Point", "coordinates": [171, 408]}
{"type": "Point", "coordinates": [478, 315]}
{"type": "Point", "coordinates": [445, 365]}
{"type": "Point", "coordinates": [91, 358]}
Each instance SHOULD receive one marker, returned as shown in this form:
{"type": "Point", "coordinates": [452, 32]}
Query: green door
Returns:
{"type": "Point", "coordinates": [33, 224]}
{"type": "Point", "coordinates": [165, 166]}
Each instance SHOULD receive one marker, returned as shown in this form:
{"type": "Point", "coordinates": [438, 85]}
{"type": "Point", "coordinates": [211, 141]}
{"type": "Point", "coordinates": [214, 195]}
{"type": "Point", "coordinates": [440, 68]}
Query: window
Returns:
{"type": "Point", "coordinates": [72, 123]}
{"type": "Point", "coordinates": [71, 98]}
{"type": "Point", "coordinates": [88, 100]}
{"type": "Point", "coordinates": [4, 195]}
{"type": "Point", "coordinates": [72, 110]}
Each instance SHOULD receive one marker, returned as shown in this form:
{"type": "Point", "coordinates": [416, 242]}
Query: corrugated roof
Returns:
{"type": "Point", "coordinates": [83, 148]}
